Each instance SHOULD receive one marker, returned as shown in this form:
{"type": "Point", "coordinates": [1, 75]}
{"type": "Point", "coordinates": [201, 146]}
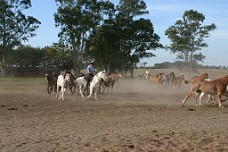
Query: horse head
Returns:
{"type": "Point", "coordinates": [102, 75]}
{"type": "Point", "coordinates": [204, 76]}
{"type": "Point", "coordinates": [67, 77]}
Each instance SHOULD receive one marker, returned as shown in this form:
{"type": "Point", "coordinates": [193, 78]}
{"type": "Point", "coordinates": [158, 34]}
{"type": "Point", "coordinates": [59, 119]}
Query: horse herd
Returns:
{"type": "Point", "coordinates": [164, 80]}
{"type": "Point", "coordinates": [60, 83]}
{"type": "Point", "coordinates": [200, 85]}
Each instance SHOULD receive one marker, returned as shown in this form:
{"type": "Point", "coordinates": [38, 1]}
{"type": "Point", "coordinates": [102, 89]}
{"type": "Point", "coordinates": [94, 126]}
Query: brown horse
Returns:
{"type": "Point", "coordinates": [157, 80]}
{"type": "Point", "coordinates": [177, 80]}
{"type": "Point", "coordinates": [168, 78]}
{"type": "Point", "coordinates": [217, 86]}
{"type": "Point", "coordinates": [194, 81]}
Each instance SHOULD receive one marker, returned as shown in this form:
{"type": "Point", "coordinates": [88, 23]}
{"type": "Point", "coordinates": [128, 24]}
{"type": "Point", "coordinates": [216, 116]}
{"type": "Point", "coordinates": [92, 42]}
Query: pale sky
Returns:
{"type": "Point", "coordinates": [163, 14]}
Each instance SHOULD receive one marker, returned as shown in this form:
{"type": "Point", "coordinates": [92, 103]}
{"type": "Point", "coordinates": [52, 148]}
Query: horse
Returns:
{"type": "Point", "coordinates": [194, 81]}
{"type": "Point", "coordinates": [110, 82]}
{"type": "Point", "coordinates": [198, 95]}
{"type": "Point", "coordinates": [157, 80]}
{"type": "Point", "coordinates": [147, 74]}
{"type": "Point", "coordinates": [61, 84]}
{"type": "Point", "coordinates": [70, 82]}
{"type": "Point", "coordinates": [168, 78]}
{"type": "Point", "coordinates": [177, 80]}
{"type": "Point", "coordinates": [52, 81]}
{"type": "Point", "coordinates": [217, 87]}
{"type": "Point", "coordinates": [81, 83]}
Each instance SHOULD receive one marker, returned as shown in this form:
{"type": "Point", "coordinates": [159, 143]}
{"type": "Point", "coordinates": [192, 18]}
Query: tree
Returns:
{"type": "Point", "coordinates": [78, 19]}
{"type": "Point", "coordinates": [188, 36]}
{"type": "Point", "coordinates": [103, 42]}
{"type": "Point", "coordinates": [137, 35]}
{"type": "Point", "coordinates": [15, 27]}
{"type": "Point", "coordinates": [112, 35]}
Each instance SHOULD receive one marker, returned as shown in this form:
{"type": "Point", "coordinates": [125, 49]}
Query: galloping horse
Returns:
{"type": "Point", "coordinates": [194, 81]}
{"type": "Point", "coordinates": [61, 84]}
{"type": "Point", "coordinates": [94, 84]}
{"type": "Point", "coordinates": [217, 87]}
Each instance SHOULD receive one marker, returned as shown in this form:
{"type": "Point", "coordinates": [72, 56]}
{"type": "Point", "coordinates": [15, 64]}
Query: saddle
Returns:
{"type": "Point", "coordinates": [88, 78]}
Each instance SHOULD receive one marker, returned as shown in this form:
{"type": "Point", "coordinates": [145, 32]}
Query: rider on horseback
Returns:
{"type": "Point", "coordinates": [91, 71]}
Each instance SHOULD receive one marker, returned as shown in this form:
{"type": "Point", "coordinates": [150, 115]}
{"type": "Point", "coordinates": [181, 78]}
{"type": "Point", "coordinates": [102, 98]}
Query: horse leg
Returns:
{"type": "Point", "coordinates": [57, 91]}
{"type": "Point", "coordinates": [55, 88]}
{"type": "Point", "coordinates": [95, 94]}
{"type": "Point", "coordinates": [219, 95]}
{"type": "Point", "coordinates": [200, 98]}
{"type": "Point", "coordinates": [48, 89]}
{"type": "Point", "coordinates": [62, 92]}
{"type": "Point", "coordinates": [196, 98]}
{"type": "Point", "coordinates": [213, 100]}
{"type": "Point", "coordinates": [186, 97]}
{"type": "Point", "coordinates": [80, 91]}
{"type": "Point", "coordinates": [209, 99]}
{"type": "Point", "coordinates": [90, 92]}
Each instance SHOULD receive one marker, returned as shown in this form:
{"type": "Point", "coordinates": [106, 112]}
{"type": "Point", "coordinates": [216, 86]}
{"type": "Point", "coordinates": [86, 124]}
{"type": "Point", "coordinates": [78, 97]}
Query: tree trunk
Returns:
{"type": "Point", "coordinates": [3, 64]}
{"type": "Point", "coordinates": [132, 72]}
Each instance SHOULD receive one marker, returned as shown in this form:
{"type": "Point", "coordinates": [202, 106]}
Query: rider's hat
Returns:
{"type": "Point", "coordinates": [92, 61]}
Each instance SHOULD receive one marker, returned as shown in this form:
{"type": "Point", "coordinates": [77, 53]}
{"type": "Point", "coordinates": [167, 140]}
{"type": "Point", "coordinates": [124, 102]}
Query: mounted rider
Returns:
{"type": "Point", "coordinates": [91, 71]}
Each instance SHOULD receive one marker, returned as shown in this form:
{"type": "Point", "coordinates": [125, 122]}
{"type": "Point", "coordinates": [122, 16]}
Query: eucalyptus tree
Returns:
{"type": "Point", "coordinates": [78, 19]}
{"type": "Point", "coordinates": [137, 34]}
{"type": "Point", "coordinates": [103, 42]}
{"type": "Point", "coordinates": [187, 36]}
{"type": "Point", "coordinates": [103, 45]}
{"type": "Point", "coordinates": [15, 27]}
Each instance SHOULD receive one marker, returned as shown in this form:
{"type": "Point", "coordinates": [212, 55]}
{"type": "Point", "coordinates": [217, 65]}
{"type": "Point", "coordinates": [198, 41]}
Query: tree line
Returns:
{"type": "Point", "coordinates": [116, 36]}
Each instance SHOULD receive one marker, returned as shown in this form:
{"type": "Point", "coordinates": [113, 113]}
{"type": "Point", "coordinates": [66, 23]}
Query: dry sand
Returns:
{"type": "Point", "coordinates": [136, 117]}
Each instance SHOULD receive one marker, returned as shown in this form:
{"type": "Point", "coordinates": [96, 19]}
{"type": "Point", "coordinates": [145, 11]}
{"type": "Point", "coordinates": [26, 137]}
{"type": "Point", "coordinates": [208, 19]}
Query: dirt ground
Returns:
{"type": "Point", "coordinates": [136, 117]}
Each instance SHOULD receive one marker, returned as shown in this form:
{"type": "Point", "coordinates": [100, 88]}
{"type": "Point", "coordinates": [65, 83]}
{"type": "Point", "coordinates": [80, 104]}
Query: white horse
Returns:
{"type": "Point", "coordinates": [147, 74]}
{"type": "Point", "coordinates": [94, 84]}
{"type": "Point", "coordinates": [61, 84]}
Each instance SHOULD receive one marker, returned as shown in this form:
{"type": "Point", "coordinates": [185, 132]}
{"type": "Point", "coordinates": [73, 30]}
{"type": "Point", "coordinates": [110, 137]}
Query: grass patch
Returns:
{"type": "Point", "coordinates": [22, 84]}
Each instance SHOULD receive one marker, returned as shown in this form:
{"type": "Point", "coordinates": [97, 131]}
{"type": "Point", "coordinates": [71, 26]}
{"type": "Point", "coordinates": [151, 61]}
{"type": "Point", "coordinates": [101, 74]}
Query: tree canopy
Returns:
{"type": "Point", "coordinates": [187, 36]}
{"type": "Point", "coordinates": [118, 37]}
{"type": "Point", "coordinates": [15, 27]}
{"type": "Point", "coordinates": [114, 35]}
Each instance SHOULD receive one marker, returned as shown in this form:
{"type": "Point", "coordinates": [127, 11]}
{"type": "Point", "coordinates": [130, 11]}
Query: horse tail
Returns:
{"type": "Point", "coordinates": [187, 81]}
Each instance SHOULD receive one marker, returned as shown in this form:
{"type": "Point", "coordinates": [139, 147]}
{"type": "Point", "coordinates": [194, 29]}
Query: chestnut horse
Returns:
{"type": "Point", "coordinates": [194, 81]}
{"type": "Point", "coordinates": [177, 80]}
{"type": "Point", "coordinates": [217, 87]}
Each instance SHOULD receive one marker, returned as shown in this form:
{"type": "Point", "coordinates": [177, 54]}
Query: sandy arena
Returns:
{"type": "Point", "coordinates": [136, 117]}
